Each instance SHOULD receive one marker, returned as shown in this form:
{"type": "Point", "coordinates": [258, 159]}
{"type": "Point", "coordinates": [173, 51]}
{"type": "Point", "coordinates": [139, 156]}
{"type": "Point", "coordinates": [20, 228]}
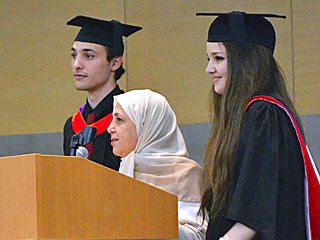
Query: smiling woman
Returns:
{"type": "Point", "coordinates": [144, 132]}
{"type": "Point", "coordinates": [218, 66]}
{"type": "Point", "coordinates": [254, 173]}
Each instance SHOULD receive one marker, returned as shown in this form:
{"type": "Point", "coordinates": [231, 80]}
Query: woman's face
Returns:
{"type": "Point", "coordinates": [217, 66]}
{"type": "Point", "coordinates": [124, 137]}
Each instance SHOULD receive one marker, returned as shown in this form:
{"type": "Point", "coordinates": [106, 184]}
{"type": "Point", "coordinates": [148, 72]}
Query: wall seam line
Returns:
{"type": "Point", "coordinates": [292, 56]}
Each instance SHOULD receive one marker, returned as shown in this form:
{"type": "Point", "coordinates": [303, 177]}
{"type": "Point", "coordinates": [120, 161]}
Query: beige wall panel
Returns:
{"type": "Point", "coordinates": [37, 83]}
{"type": "Point", "coordinates": [169, 55]}
{"type": "Point", "coordinates": [306, 35]}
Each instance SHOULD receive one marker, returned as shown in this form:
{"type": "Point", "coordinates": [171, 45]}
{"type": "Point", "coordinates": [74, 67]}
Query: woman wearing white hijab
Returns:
{"type": "Point", "coordinates": [145, 134]}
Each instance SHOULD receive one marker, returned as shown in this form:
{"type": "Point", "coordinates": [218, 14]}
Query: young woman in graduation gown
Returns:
{"type": "Point", "coordinates": [254, 172]}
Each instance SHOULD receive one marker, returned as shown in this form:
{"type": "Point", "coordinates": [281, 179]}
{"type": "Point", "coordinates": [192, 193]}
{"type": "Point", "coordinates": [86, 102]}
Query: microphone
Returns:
{"type": "Point", "coordinates": [87, 135]}
{"type": "Point", "coordinates": [82, 152]}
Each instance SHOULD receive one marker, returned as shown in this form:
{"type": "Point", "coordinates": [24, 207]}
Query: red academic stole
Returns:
{"type": "Point", "coordinates": [78, 123]}
{"type": "Point", "coordinates": [312, 181]}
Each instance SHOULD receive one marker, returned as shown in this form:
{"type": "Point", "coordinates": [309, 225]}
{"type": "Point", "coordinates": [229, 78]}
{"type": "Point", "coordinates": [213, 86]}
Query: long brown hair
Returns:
{"type": "Point", "coordinates": [251, 72]}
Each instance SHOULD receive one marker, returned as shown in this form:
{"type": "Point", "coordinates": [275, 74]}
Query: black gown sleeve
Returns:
{"type": "Point", "coordinates": [267, 178]}
{"type": "Point", "coordinates": [256, 166]}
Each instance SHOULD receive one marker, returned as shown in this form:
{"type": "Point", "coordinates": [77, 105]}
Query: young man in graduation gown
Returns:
{"type": "Point", "coordinates": [97, 59]}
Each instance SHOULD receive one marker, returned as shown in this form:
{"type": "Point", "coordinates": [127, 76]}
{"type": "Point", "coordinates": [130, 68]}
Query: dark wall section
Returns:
{"type": "Point", "coordinates": [46, 143]}
{"type": "Point", "coordinates": [312, 130]}
{"type": "Point", "coordinates": [195, 135]}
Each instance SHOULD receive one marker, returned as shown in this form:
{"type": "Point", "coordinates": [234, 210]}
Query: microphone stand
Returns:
{"type": "Point", "coordinates": [86, 136]}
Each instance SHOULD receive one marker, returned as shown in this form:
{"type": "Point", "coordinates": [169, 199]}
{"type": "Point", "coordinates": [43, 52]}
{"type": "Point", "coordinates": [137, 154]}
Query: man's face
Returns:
{"type": "Point", "coordinates": [90, 66]}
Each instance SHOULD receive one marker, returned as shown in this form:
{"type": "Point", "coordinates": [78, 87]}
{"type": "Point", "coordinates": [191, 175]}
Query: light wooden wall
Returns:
{"type": "Point", "coordinates": [306, 57]}
{"type": "Point", "coordinates": [167, 56]}
{"type": "Point", "coordinates": [38, 88]}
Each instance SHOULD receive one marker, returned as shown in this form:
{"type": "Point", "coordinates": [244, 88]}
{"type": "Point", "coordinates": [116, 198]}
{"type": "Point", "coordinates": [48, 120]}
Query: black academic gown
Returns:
{"type": "Point", "coordinates": [267, 178]}
{"type": "Point", "coordinates": [102, 150]}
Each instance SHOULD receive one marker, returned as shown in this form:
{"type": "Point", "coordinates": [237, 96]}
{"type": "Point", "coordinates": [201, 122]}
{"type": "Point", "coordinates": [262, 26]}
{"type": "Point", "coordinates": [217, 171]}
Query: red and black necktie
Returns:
{"type": "Point", "coordinates": [78, 124]}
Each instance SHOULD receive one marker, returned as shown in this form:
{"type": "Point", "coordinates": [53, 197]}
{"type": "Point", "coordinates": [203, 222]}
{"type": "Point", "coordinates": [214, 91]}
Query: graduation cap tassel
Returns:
{"type": "Point", "coordinates": [237, 28]}
{"type": "Point", "coordinates": [117, 38]}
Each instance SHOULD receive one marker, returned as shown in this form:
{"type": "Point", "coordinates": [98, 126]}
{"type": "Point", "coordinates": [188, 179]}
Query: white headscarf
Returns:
{"type": "Point", "coordinates": [160, 157]}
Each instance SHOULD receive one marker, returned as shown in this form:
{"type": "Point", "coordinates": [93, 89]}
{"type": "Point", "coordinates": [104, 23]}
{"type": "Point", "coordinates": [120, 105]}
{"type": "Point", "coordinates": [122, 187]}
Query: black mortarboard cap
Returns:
{"type": "Point", "coordinates": [242, 28]}
{"type": "Point", "coordinates": [106, 33]}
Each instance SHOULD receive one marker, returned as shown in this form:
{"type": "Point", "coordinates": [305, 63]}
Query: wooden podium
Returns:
{"type": "Point", "coordinates": [60, 197]}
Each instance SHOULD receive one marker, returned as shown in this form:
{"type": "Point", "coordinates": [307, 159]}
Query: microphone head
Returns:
{"type": "Point", "coordinates": [82, 152]}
